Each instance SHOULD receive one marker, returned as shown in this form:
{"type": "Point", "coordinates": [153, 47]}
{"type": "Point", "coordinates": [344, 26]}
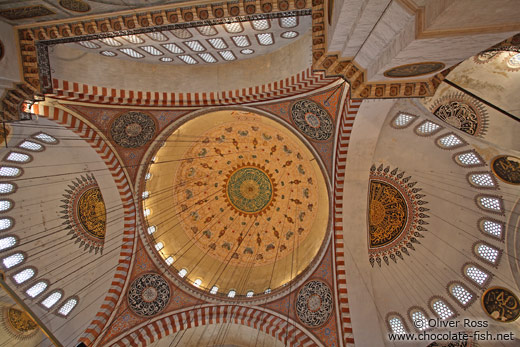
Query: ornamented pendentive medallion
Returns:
{"type": "Point", "coordinates": [395, 215]}
{"type": "Point", "coordinates": [132, 129]}
{"type": "Point", "coordinates": [314, 303]}
{"type": "Point", "coordinates": [413, 70]}
{"type": "Point", "coordinates": [18, 323]}
{"type": "Point", "coordinates": [85, 214]}
{"type": "Point", "coordinates": [501, 304]}
{"type": "Point", "coordinates": [312, 120]}
{"type": "Point", "coordinates": [148, 295]}
{"type": "Point", "coordinates": [461, 112]}
{"type": "Point", "coordinates": [507, 168]}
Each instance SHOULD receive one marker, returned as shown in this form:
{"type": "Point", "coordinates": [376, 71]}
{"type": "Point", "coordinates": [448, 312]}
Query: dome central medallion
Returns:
{"type": "Point", "coordinates": [249, 189]}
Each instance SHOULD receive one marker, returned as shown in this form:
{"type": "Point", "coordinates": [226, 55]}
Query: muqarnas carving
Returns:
{"type": "Point", "coordinates": [395, 215]}
{"type": "Point", "coordinates": [84, 213]}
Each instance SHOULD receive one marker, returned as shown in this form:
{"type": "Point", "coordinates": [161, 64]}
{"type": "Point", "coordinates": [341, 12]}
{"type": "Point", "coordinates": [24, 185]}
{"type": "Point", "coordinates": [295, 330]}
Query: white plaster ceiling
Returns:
{"type": "Point", "coordinates": [204, 44]}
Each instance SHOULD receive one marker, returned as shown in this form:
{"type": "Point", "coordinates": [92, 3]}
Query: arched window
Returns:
{"type": "Point", "coordinates": [13, 260]}
{"type": "Point", "coordinates": [5, 205]}
{"type": "Point", "coordinates": [147, 212]}
{"type": "Point", "coordinates": [469, 158]}
{"type": "Point", "coordinates": [52, 299]}
{"type": "Point", "coordinates": [146, 194]}
{"type": "Point", "coordinates": [213, 290]}
{"type": "Point", "coordinates": [159, 246]}
{"type": "Point", "coordinates": [197, 282]}
{"type": "Point", "coordinates": [250, 294]}
{"type": "Point", "coordinates": [152, 229]}
{"type": "Point", "coordinates": [396, 324]}
{"type": "Point", "coordinates": [147, 176]}
{"type": "Point", "coordinates": [481, 180]}
{"type": "Point", "coordinates": [403, 120]}
{"type": "Point", "coordinates": [487, 252]}
{"type": "Point", "coordinates": [31, 146]}
{"type": "Point", "coordinates": [492, 228]}
{"type": "Point", "coordinates": [441, 309]}
{"type": "Point", "coordinates": [419, 319]}
{"type": "Point", "coordinates": [10, 171]}
{"type": "Point", "coordinates": [183, 272]}
{"type": "Point", "coordinates": [7, 242]}
{"type": "Point", "coordinates": [231, 293]}
{"type": "Point", "coordinates": [261, 24]}
{"type": "Point", "coordinates": [46, 138]}
{"type": "Point", "coordinates": [288, 22]}
{"type": "Point", "coordinates": [490, 203]}
{"type": "Point", "coordinates": [6, 188]}
{"type": "Point", "coordinates": [477, 275]}
{"type": "Point", "coordinates": [36, 289]}
{"type": "Point", "coordinates": [450, 141]}
{"type": "Point", "coordinates": [68, 306]}
{"type": "Point", "coordinates": [18, 157]}
{"type": "Point", "coordinates": [5, 223]}
{"type": "Point", "coordinates": [462, 295]}
{"type": "Point", "coordinates": [427, 128]}
{"type": "Point", "coordinates": [169, 260]}
{"type": "Point", "coordinates": [24, 275]}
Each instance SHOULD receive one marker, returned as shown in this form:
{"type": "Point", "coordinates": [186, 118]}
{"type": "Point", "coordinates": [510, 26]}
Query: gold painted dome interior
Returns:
{"type": "Point", "coordinates": [235, 201]}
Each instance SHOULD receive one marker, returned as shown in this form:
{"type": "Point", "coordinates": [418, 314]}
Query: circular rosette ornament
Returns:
{"type": "Point", "coordinates": [312, 120]}
{"type": "Point", "coordinates": [132, 129]}
{"type": "Point", "coordinates": [314, 303]}
{"type": "Point", "coordinates": [148, 295]}
{"type": "Point", "coordinates": [249, 189]}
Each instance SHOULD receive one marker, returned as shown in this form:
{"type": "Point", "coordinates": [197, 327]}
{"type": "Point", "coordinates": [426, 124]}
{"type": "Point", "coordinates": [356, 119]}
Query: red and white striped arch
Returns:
{"type": "Point", "coordinates": [79, 127]}
{"type": "Point", "coordinates": [302, 82]}
{"type": "Point", "coordinates": [346, 123]}
{"type": "Point", "coordinates": [285, 330]}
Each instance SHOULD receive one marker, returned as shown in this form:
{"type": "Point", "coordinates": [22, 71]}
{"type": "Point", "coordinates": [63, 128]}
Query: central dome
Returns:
{"type": "Point", "coordinates": [238, 201]}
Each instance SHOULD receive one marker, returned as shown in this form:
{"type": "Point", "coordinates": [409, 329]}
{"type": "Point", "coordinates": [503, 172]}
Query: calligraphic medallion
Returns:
{"type": "Point", "coordinates": [388, 213]}
{"type": "Point", "coordinates": [249, 189]}
{"type": "Point", "coordinates": [21, 322]}
{"type": "Point", "coordinates": [314, 303]}
{"type": "Point", "coordinates": [501, 304]}
{"type": "Point", "coordinates": [312, 120]}
{"type": "Point", "coordinates": [461, 112]}
{"type": "Point", "coordinates": [85, 213]}
{"type": "Point", "coordinates": [507, 168]}
{"type": "Point", "coordinates": [148, 295]}
{"type": "Point", "coordinates": [132, 129]}
{"type": "Point", "coordinates": [396, 217]}
{"type": "Point", "coordinates": [413, 70]}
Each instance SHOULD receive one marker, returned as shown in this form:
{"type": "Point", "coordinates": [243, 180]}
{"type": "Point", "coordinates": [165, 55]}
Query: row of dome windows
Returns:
{"type": "Point", "coordinates": [8, 242]}
{"type": "Point", "coordinates": [170, 259]}
{"type": "Point", "coordinates": [489, 227]}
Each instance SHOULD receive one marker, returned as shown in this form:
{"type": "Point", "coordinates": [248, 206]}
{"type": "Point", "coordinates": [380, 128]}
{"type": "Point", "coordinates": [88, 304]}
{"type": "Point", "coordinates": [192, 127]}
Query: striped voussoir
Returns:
{"type": "Point", "coordinates": [281, 328]}
{"type": "Point", "coordinates": [345, 128]}
{"type": "Point", "coordinates": [302, 82]}
{"type": "Point", "coordinates": [100, 146]}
